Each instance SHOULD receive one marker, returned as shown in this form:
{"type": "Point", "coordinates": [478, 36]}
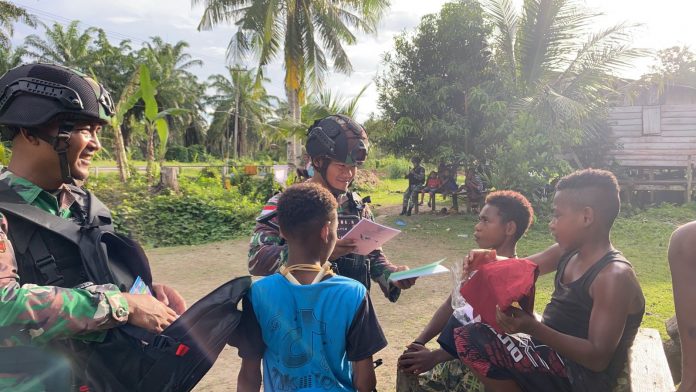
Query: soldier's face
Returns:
{"type": "Point", "coordinates": [339, 175]}
{"type": "Point", "coordinates": [83, 145]}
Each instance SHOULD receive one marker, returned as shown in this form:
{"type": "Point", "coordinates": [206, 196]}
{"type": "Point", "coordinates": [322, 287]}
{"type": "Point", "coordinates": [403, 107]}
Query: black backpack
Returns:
{"type": "Point", "coordinates": [130, 358]}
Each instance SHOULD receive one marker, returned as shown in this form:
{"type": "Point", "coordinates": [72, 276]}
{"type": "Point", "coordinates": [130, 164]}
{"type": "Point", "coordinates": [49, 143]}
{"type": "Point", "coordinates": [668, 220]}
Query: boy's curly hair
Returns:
{"type": "Point", "coordinates": [595, 188]}
{"type": "Point", "coordinates": [304, 208]}
{"type": "Point", "coordinates": [513, 206]}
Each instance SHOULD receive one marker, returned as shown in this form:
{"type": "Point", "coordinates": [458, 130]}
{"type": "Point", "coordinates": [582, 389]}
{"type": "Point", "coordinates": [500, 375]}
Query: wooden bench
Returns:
{"type": "Point", "coordinates": [647, 364]}
{"type": "Point", "coordinates": [471, 205]}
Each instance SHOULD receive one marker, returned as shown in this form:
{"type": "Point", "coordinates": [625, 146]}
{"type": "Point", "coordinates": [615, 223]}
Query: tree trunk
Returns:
{"type": "Point", "coordinates": [121, 158]}
{"type": "Point", "coordinates": [150, 153]}
{"type": "Point", "coordinates": [169, 178]}
{"type": "Point", "coordinates": [296, 116]}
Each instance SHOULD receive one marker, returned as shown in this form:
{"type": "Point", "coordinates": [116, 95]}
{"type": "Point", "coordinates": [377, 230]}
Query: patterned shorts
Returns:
{"type": "Point", "coordinates": [534, 366]}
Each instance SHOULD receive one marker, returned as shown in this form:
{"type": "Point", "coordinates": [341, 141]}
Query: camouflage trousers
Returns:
{"type": "Point", "coordinates": [450, 376]}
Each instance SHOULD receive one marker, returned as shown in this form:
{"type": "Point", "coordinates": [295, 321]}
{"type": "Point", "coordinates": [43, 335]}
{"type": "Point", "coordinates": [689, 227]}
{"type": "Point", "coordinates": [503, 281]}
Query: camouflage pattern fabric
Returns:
{"type": "Point", "coordinates": [268, 252]}
{"type": "Point", "coordinates": [450, 376]}
{"type": "Point", "coordinates": [38, 197]}
{"type": "Point", "coordinates": [34, 315]}
{"type": "Point", "coordinates": [38, 314]}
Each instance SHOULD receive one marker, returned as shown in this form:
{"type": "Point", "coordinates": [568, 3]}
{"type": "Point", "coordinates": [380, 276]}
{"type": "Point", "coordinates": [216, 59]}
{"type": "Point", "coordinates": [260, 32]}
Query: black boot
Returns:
{"type": "Point", "coordinates": [408, 213]}
{"type": "Point", "coordinates": [403, 211]}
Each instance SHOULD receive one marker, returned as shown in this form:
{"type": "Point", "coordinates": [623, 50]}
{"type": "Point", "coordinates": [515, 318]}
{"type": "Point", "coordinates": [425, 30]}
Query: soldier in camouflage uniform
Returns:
{"type": "Point", "coordinates": [337, 146]}
{"type": "Point", "coordinates": [53, 115]}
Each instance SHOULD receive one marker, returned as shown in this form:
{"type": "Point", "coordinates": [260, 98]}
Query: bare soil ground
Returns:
{"type": "Point", "coordinates": [196, 270]}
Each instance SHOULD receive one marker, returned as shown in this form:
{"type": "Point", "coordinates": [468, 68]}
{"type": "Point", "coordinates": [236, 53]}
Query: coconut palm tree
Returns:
{"type": "Point", "coordinates": [10, 57]}
{"type": "Point", "coordinates": [307, 33]}
{"type": "Point", "coordinates": [237, 98]}
{"type": "Point", "coordinates": [9, 14]}
{"type": "Point", "coordinates": [65, 45]}
{"type": "Point", "coordinates": [554, 65]}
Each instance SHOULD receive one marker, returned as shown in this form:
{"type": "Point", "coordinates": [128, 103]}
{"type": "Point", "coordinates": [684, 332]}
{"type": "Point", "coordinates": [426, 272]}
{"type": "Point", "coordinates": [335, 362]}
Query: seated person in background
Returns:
{"type": "Point", "coordinates": [682, 263]}
{"type": "Point", "coordinates": [596, 308]}
{"type": "Point", "coordinates": [431, 185]}
{"type": "Point", "coordinates": [503, 220]}
{"type": "Point", "coordinates": [319, 330]}
{"type": "Point", "coordinates": [448, 183]}
{"type": "Point", "coordinates": [473, 184]}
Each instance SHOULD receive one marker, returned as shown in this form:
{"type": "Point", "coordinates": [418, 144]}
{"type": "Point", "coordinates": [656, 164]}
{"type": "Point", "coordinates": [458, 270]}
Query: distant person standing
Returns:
{"type": "Point", "coordinates": [416, 178]}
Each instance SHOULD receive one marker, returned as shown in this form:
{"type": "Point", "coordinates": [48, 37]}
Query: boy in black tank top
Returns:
{"type": "Point", "coordinates": [595, 311]}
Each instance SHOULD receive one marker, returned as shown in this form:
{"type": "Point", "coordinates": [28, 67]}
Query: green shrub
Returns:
{"type": "Point", "coordinates": [202, 212]}
{"type": "Point", "coordinates": [393, 167]}
{"type": "Point", "coordinates": [177, 153]}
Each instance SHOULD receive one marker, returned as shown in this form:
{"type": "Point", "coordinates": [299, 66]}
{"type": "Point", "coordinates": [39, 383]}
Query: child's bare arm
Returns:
{"type": "Point", "coordinates": [249, 378]}
{"type": "Point", "coordinates": [682, 263]}
{"type": "Point", "coordinates": [614, 291]}
{"type": "Point", "coordinates": [364, 378]}
{"type": "Point", "coordinates": [548, 259]}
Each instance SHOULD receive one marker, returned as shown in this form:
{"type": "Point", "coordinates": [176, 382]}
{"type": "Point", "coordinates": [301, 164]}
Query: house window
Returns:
{"type": "Point", "coordinates": [651, 120]}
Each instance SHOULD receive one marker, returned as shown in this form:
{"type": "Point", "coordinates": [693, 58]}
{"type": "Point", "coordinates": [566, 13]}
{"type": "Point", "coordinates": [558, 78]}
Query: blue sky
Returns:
{"type": "Point", "coordinates": [665, 23]}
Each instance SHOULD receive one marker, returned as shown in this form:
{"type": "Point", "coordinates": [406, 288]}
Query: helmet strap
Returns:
{"type": "Point", "coordinates": [61, 144]}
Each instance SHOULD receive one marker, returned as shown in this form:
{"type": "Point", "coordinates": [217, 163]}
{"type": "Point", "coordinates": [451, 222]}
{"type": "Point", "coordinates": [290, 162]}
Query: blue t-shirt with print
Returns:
{"type": "Point", "coordinates": [312, 332]}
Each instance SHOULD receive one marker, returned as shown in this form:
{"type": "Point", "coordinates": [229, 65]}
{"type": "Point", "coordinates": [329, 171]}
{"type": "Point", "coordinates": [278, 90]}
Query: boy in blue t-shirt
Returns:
{"type": "Point", "coordinates": [318, 330]}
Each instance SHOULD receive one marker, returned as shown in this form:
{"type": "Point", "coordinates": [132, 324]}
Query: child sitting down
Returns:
{"type": "Point", "coordinates": [319, 330]}
{"type": "Point", "coordinates": [597, 305]}
{"type": "Point", "coordinates": [503, 220]}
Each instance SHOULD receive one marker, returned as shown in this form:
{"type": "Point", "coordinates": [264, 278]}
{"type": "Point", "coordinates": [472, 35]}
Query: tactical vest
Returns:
{"type": "Point", "coordinates": [351, 265]}
{"type": "Point", "coordinates": [54, 251]}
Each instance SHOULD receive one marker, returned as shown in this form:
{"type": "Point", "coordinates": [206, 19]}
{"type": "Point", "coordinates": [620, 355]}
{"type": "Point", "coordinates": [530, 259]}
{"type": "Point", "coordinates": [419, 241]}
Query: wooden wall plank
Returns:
{"type": "Point", "coordinates": [678, 108]}
{"type": "Point", "coordinates": [626, 109]}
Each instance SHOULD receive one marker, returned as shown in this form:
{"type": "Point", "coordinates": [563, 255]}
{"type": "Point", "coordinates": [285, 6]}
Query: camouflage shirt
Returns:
{"type": "Point", "coordinates": [38, 314]}
{"type": "Point", "coordinates": [268, 251]}
{"type": "Point", "coordinates": [33, 314]}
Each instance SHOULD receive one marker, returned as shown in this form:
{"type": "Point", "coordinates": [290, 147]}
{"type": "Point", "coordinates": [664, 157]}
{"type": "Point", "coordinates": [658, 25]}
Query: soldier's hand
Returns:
{"type": "Point", "coordinates": [404, 284]}
{"type": "Point", "coordinates": [170, 297]}
{"type": "Point", "coordinates": [343, 247]}
{"type": "Point", "coordinates": [147, 312]}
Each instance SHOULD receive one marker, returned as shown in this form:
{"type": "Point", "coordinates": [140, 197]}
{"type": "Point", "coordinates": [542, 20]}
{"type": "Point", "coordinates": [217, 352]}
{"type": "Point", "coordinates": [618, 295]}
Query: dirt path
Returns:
{"type": "Point", "coordinates": [196, 270]}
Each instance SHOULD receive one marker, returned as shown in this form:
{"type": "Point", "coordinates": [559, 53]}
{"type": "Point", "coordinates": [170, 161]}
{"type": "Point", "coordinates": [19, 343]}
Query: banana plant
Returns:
{"type": "Point", "coordinates": [155, 120]}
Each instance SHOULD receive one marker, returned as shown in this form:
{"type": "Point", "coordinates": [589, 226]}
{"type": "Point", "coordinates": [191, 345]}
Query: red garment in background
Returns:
{"type": "Point", "coordinates": [501, 283]}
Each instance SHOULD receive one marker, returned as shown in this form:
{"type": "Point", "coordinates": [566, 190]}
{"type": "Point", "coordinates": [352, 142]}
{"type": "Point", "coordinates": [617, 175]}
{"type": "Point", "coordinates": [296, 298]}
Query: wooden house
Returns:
{"type": "Point", "coordinates": [654, 142]}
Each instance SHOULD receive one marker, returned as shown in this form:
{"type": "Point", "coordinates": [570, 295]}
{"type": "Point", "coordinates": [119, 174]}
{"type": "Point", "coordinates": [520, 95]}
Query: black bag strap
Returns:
{"type": "Point", "coordinates": [44, 261]}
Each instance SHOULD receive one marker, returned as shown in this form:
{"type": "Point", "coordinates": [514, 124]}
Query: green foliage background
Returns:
{"type": "Point", "coordinates": [202, 212]}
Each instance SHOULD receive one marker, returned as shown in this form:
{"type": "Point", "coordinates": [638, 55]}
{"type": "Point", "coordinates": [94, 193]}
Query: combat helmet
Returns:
{"type": "Point", "coordinates": [337, 137]}
{"type": "Point", "coordinates": [33, 94]}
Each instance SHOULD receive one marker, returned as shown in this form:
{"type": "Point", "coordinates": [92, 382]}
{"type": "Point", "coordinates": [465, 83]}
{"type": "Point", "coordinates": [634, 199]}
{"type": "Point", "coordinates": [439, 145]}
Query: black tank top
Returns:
{"type": "Point", "coordinates": [569, 313]}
